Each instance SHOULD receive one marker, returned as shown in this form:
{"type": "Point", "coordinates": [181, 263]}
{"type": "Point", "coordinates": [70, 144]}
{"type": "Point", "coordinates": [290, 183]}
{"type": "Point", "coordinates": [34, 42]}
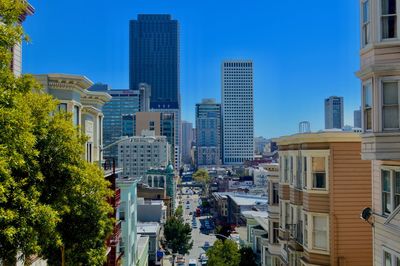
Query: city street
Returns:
{"type": "Point", "coordinates": [198, 238]}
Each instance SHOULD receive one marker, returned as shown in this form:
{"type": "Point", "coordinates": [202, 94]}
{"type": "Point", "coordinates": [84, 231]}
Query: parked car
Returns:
{"type": "Point", "coordinates": [180, 260]}
{"type": "Point", "coordinates": [192, 262]}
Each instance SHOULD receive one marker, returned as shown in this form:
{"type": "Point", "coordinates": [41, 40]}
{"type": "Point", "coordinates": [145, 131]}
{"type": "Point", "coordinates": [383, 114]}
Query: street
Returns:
{"type": "Point", "coordinates": [198, 238]}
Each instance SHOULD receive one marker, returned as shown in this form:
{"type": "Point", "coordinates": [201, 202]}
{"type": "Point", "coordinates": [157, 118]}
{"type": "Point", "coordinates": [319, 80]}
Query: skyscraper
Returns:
{"type": "Point", "coordinates": [357, 118]}
{"type": "Point", "coordinates": [187, 139]}
{"type": "Point", "coordinates": [208, 130]}
{"type": "Point", "coordinates": [154, 60]}
{"type": "Point", "coordinates": [237, 111]}
{"type": "Point", "coordinates": [334, 113]}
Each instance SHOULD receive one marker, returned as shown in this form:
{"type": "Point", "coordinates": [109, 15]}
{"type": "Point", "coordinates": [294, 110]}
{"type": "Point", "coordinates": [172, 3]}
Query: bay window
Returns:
{"type": "Point", "coordinates": [388, 19]}
{"type": "Point", "coordinates": [390, 257]}
{"type": "Point", "coordinates": [305, 230]}
{"type": "Point", "coordinates": [62, 107]}
{"type": "Point", "coordinates": [367, 106]}
{"type": "Point", "coordinates": [390, 190]}
{"type": "Point", "coordinates": [318, 173]}
{"type": "Point", "coordinates": [390, 106]}
{"type": "Point", "coordinates": [365, 23]}
{"type": "Point", "coordinates": [305, 172]}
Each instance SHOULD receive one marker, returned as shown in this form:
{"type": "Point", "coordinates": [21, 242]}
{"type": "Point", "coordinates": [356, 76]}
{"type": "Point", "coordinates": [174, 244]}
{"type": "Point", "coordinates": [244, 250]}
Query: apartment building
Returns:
{"type": "Point", "coordinates": [380, 76]}
{"type": "Point", "coordinates": [323, 186]}
{"type": "Point", "coordinates": [138, 154]}
{"type": "Point", "coordinates": [86, 107]}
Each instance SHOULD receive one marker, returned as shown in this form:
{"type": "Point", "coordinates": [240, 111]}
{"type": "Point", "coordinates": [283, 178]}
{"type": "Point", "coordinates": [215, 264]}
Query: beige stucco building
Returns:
{"type": "Point", "coordinates": [380, 77]}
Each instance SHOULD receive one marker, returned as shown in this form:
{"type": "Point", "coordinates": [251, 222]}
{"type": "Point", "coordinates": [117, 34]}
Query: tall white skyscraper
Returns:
{"type": "Point", "coordinates": [237, 111]}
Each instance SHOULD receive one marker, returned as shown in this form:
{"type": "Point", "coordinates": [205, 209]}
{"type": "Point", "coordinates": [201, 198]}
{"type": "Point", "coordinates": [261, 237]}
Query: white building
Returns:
{"type": "Point", "coordinates": [237, 111]}
{"type": "Point", "coordinates": [138, 154]}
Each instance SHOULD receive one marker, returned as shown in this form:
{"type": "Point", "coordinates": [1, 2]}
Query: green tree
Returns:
{"type": "Point", "coordinates": [49, 196]}
{"type": "Point", "coordinates": [223, 231]}
{"type": "Point", "coordinates": [224, 253]}
{"type": "Point", "coordinates": [178, 234]}
{"type": "Point", "coordinates": [247, 257]}
{"type": "Point", "coordinates": [202, 176]}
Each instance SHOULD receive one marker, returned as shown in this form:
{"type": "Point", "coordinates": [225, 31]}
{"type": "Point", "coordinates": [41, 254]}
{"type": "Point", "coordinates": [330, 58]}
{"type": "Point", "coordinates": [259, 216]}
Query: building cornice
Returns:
{"type": "Point", "coordinates": [321, 137]}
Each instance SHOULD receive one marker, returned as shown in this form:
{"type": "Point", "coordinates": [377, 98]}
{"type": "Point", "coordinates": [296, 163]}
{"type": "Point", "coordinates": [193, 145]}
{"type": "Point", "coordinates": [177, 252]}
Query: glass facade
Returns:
{"type": "Point", "coordinates": [154, 58]}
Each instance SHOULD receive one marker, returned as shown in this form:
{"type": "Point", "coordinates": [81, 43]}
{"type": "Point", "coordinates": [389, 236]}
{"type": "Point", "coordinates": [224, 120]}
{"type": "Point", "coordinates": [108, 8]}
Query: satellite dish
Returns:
{"type": "Point", "coordinates": [366, 214]}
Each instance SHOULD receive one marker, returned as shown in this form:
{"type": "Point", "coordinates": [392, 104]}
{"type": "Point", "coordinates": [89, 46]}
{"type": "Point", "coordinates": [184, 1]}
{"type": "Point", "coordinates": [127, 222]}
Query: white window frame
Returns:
{"type": "Point", "coordinates": [394, 255]}
{"type": "Point", "coordinates": [392, 179]}
{"type": "Point", "coordinates": [364, 109]}
{"type": "Point", "coordinates": [388, 80]}
{"type": "Point", "coordinates": [316, 153]}
{"type": "Point", "coordinates": [365, 26]}
{"type": "Point", "coordinates": [380, 22]}
{"type": "Point", "coordinates": [309, 233]}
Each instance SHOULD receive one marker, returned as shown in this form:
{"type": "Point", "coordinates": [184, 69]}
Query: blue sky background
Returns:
{"type": "Point", "coordinates": [303, 51]}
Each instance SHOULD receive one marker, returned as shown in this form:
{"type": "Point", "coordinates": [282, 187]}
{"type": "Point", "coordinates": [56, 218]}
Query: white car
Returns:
{"type": "Point", "coordinates": [192, 262]}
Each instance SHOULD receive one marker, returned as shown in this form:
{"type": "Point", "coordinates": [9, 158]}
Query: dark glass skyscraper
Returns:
{"type": "Point", "coordinates": [154, 58]}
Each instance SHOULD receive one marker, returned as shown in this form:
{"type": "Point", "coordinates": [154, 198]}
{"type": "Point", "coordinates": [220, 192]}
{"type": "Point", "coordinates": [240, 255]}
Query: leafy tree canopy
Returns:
{"type": "Point", "coordinates": [49, 196]}
{"type": "Point", "coordinates": [223, 253]}
{"type": "Point", "coordinates": [247, 257]}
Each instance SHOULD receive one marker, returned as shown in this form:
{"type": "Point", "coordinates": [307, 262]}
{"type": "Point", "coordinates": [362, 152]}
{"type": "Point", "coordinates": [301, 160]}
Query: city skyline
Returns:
{"type": "Point", "coordinates": [285, 70]}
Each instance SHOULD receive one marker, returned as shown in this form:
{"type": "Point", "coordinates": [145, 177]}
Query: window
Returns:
{"type": "Point", "coordinates": [305, 233]}
{"type": "Point", "coordinates": [319, 176]}
{"type": "Point", "coordinates": [390, 257]}
{"type": "Point", "coordinates": [76, 115]}
{"type": "Point", "coordinates": [275, 193]}
{"type": "Point", "coordinates": [122, 213]}
{"type": "Point", "coordinates": [367, 108]}
{"type": "Point", "coordinates": [304, 172]}
{"type": "Point", "coordinates": [62, 107]}
{"type": "Point", "coordinates": [287, 214]}
{"type": "Point", "coordinates": [365, 23]}
{"type": "Point", "coordinates": [291, 170]}
{"type": "Point", "coordinates": [390, 190]}
{"type": "Point", "coordinates": [89, 152]}
{"type": "Point", "coordinates": [286, 170]}
{"type": "Point", "coordinates": [388, 19]}
{"type": "Point", "coordinates": [320, 233]}
{"type": "Point", "coordinates": [390, 105]}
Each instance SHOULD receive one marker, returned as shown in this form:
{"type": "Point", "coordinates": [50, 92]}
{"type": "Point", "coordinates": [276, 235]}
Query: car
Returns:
{"type": "Point", "coordinates": [187, 207]}
{"type": "Point", "coordinates": [187, 202]}
{"type": "Point", "coordinates": [203, 259]}
{"type": "Point", "coordinates": [194, 226]}
{"type": "Point", "coordinates": [190, 213]}
{"type": "Point", "coordinates": [192, 262]}
{"type": "Point", "coordinates": [206, 244]}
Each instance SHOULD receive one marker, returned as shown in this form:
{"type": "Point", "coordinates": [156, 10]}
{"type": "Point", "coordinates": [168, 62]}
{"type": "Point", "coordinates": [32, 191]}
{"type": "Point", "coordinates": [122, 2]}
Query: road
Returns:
{"type": "Point", "coordinates": [198, 238]}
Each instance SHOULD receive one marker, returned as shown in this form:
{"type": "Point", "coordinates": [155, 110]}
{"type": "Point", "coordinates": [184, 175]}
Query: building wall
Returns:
{"type": "Point", "coordinates": [237, 112]}
{"type": "Point", "coordinates": [187, 140]}
{"type": "Point", "coordinates": [147, 121]}
{"type": "Point", "coordinates": [143, 153]}
{"type": "Point", "coordinates": [334, 112]}
{"type": "Point", "coordinates": [350, 188]}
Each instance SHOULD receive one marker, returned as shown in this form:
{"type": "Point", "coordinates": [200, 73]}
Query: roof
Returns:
{"type": "Point", "coordinates": [245, 199]}
{"type": "Point", "coordinates": [148, 228]}
{"type": "Point", "coordinates": [253, 214]}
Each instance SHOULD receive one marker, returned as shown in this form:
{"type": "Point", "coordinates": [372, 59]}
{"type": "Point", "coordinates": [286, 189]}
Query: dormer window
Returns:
{"type": "Point", "coordinates": [365, 23]}
{"type": "Point", "coordinates": [389, 19]}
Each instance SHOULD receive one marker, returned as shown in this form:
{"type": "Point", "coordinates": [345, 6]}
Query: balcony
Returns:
{"type": "Point", "coordinates": [116, 234]}
{"type": "Point", "coordinates": [117, 199]}
{"type": "Point", "coordinates": [380, 146]}
{"type": "Point", "coordinates": [283, 234]}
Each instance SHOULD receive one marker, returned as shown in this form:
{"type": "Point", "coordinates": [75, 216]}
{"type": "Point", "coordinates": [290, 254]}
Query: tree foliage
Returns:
{"type": "Point", "coordinates": [223, 253]}
{"type": "Point", "coordinates": [223, 231]}
{"type": "Point", "coordinates": [203, 177]}
{"type": "Point", "coordinates": [178, 234]}
{"type": "Point", "coordinates": [247, 257]}
{"type": "Point", "coordinates": [49, 196]}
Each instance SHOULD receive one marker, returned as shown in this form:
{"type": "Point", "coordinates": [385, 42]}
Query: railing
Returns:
{"type": "Point", "coordinates": [116, 234]}
{"type": "Point", "coordinates": [296, 232]}
{"type": "Point", "coordinates": [117, 199]}
{"type": "Point", "coordinates": [283, 234]}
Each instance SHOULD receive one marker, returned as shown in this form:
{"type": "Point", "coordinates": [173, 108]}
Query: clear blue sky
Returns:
{"type": "Point", "coordinates": [303, 51]}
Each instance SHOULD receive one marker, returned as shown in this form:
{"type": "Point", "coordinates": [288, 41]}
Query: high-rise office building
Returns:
{"type": "Point", "coordinates": [237, 111]}
{"type": "Point", "coordinates": [154, 60]}
{"type": "Point", "coordinates": [187, 140]}
{"type": "Point", "coordinates": [334, 112]}
{"type": "Point", "coordinates": [357, 118]}
{"type": "Point", "coordinates": [208, 130]}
